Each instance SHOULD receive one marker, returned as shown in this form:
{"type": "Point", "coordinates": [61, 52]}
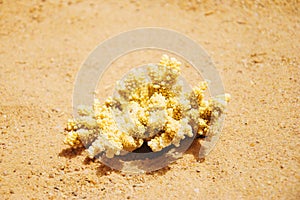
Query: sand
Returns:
{"type": "Point", "coordinates": [255, 47]}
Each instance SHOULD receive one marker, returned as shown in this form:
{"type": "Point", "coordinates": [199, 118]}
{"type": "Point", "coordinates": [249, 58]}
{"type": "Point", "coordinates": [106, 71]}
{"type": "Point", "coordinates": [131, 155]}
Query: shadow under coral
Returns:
{"type": "Point", "coordinates": [71, 152]}
{"type": "Point", "coordinates": [141, 160]}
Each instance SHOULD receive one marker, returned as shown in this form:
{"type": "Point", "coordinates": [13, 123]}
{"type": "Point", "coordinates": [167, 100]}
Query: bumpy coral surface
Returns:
{"type": "Point", "coordinates": [151, 105]}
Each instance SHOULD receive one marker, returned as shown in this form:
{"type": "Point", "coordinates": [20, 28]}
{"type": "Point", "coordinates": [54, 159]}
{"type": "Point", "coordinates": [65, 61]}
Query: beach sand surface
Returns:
{"type": "Point", "coordinates": [254, 45]}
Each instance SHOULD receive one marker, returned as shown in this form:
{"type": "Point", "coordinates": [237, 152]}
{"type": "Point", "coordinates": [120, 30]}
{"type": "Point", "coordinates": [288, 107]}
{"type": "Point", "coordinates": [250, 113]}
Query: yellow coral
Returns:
{"type": "Point", "coordinates": [157, 112]}
{"type": "Point", "coordinates": [73, 140]}
{"type": "Point", "coordinates": [166, 61]}
{"type": "Point", "coordinates": [71, 125]}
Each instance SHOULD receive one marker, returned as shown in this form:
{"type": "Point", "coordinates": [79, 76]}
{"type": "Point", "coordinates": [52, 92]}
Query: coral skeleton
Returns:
{"type": "Point", "coordinates": [151, 105]}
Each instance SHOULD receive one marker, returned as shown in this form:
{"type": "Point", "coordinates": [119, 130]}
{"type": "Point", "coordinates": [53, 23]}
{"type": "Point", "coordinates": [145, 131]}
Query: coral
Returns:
{"type": "Point", "coordinates": [150, 105]}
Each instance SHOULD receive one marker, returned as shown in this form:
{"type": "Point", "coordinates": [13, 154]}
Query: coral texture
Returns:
{"type": "Point", "coordinates": [151, 105]}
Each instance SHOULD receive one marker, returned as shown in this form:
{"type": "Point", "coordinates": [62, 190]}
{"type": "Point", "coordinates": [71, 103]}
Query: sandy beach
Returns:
{"type": "Point", "coordinates": [254, 45]}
